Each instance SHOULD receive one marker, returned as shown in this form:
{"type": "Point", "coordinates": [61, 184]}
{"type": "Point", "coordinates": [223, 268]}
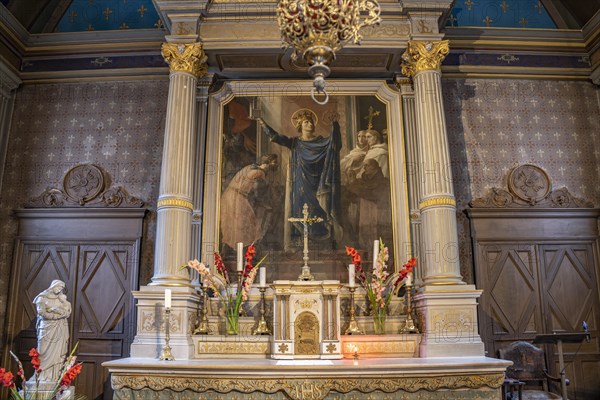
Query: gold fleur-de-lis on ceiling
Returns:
{"type": "Point", "coordinates": [158, 24]}
{"type": "Point", "coordinates": [90, 27]}
{"type": "Point", "coordinates": [488, 21]}
{"type": "Point", "coordinates": [469, 4]}
{"type": "Point", "coordinates": [142, 10]}
{"type": "Point", "coordinates": [504, 6]}
{"type": "Point", "coordinates": [523, 21]}
{"type": "Point", "coordinates": [72, 16]}
{"type": "Point", "coordinates": [107, 12]}
{"type": "Point", "coordinates": [124, 26]}
{"type": "Point", "coordinates": [539, 6]}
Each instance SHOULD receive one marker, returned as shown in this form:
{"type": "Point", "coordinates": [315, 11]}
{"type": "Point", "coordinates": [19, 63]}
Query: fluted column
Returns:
{"type": "Point", "coordinates": [9, 82]}
{"type": "Point", "coordinates": [437, 204]}
{"type": "Point", "coordinates": [199, 150]}
{"type": "Point", "coordinates": [412, 161]}
{"type": "Point", "coordinates": [174, 208]}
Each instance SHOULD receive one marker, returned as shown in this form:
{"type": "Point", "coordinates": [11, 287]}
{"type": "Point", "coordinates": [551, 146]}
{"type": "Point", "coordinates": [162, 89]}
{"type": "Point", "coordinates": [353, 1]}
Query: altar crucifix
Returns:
{"type": "Point", "coordinates": [305, 221]}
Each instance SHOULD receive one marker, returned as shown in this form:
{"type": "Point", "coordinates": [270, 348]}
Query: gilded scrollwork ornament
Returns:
{"type": "Point", "coordinates": [423, 56]}
{"type": "Point", "coordinates": [186, 57]}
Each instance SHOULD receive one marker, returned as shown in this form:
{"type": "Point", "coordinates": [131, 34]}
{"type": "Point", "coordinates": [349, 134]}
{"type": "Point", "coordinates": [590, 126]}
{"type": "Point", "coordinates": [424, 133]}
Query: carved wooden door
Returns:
{"type": "Point", "coordinates": [569, 283]}
{"type": "Point", "coordinates": [103, 323]}
{"type": "Point", "coordinates": [510, 307]}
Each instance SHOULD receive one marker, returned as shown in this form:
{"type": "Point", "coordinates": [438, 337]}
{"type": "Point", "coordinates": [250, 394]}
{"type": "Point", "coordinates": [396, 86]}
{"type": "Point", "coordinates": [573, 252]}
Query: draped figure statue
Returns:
{"type": "Point", "coordinates": [53, 310]}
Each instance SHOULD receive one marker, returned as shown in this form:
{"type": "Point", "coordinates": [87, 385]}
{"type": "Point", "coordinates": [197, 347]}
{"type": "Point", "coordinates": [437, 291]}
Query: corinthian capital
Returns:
{"type": "Point", "coordinates": [186, 57]}
{"type": "Point", "coordinates": [423, 56]}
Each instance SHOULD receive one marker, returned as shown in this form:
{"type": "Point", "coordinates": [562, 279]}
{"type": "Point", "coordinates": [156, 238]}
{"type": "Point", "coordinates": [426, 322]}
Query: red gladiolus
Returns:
{"type": "Point", "coordinates": [7, 378]}
{"type": "Point", "coordinates": [70, 375]}
{"type": "Point", "coordinates": [35, 359]}
{"type": "Point", "coordinates": [220, 266]}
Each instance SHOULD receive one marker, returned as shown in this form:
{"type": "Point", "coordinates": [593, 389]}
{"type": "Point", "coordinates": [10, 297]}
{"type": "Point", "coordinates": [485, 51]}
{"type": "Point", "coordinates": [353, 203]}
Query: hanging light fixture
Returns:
{"type": "Point", "coordinates": [316, 29]}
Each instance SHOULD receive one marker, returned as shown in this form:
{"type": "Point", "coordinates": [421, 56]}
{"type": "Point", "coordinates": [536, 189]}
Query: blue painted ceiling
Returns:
{"type": "Point", "coordinates": [102, 15]}
{"type": "Point", "coordinates": [501, 13]}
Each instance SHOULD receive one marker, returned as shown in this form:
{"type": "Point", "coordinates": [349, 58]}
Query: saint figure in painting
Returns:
{"type": "Point", "coordinates": [378, 151]}
{"type": "Point", "coordinates": [314, 174]}
{"type": "Point", "coordinates": [353, 160]}
{"type": "Point", "coordinates": [245, 209]}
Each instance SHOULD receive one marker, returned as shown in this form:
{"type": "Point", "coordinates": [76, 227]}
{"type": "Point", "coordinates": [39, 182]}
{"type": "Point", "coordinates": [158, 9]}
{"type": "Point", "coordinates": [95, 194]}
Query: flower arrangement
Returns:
{"type": "Point", "coordinates": [36, 389]}
{"type": "Point", "coordinates": [221, 285]}
{"type": "Point", "coordinates": [379, 284]}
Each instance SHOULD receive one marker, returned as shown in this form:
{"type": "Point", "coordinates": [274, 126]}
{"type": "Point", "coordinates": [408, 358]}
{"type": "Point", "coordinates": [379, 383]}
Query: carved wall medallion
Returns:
{"type": "Point", "coordinates": [529, 183]}
{"type": "Point", "coordinates": [85, 186]}
{"type": "Point", "coordinates": [529, 186]}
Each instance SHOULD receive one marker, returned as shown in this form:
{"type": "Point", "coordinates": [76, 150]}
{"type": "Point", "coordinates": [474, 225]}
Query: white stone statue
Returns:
{"type": "Point", "coordinates": [52, 326]}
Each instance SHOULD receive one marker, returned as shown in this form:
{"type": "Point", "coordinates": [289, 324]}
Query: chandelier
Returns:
{"type": "Point", "coordinates": [316, 29]}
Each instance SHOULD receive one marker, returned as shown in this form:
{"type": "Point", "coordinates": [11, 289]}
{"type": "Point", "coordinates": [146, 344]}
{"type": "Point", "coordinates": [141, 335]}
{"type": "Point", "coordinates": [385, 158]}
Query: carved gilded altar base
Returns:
{"type": "Point", "coordinates": [432, 378]}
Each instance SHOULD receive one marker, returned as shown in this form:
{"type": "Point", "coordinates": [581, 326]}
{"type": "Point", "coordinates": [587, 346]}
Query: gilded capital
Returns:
{"type": "Point", "coordinates": [423, 56]}
{"type": "Point", "coordinates": [186, 57]}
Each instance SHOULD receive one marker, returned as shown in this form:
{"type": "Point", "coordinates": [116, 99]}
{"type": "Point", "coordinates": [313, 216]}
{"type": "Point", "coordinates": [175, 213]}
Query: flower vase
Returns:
{"type": "Point", "coordinates": [379, 322]}
{"type": "Point", "coordinates": [232, 322]}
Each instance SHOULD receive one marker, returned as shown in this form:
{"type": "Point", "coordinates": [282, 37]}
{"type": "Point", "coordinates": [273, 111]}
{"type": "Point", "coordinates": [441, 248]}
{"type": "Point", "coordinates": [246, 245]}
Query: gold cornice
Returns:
{"type": "Point", "coordinates": [437, 201]}
{"type": "Point", "coordinates": [423, 56]}
{"type": "Point", "coordinates": [295, 388]}
{"type": "Point", "coordinates": [186, 57]}
{"type": "Point", "coordinates": [175, 203]}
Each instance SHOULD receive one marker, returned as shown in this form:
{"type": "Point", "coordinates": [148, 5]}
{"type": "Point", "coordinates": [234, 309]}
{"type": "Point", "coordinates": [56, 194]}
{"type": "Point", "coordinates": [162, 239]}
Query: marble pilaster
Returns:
{"type": "Point", "coordinates": [445, 305]}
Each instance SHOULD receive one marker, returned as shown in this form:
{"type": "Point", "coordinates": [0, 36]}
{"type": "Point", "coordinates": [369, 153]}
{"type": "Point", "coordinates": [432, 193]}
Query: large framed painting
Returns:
{"type": "Point", "coordinates": [272, 151]}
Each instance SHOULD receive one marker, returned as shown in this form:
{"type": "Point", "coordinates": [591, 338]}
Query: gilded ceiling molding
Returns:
{"type": "Point", "coordinates": [423, 56]}
{"type": "Point", "coordinates": [295, 388]}
{"type": "Point", "coordinates": [186, 57]}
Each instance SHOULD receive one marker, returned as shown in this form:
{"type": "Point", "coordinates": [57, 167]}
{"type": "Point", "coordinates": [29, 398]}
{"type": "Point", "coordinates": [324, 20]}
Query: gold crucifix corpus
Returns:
{"type": "Point", "coordinates": [305, 221]}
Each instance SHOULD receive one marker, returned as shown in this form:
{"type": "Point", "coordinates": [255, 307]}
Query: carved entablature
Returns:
{"type": "Point", "coordinates": [529, 186]}
{"type": "Point", "coordinates": [86, 185]}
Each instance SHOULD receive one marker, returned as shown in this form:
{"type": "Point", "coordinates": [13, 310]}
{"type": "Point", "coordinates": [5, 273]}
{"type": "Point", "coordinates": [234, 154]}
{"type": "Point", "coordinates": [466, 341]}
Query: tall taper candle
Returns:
{"type": "Point", "coordinates": [167, 298]}
{"type": "Point", "coordinates": [240, 256]}
{"type": "Point", "coordinates": [263, 276]}
{"type": "Point", "coordinates": [409, 279]}
{"type": "Point", "coordinates": [375, 252]}
{"type": "Point", "coordinates": [351, 272]}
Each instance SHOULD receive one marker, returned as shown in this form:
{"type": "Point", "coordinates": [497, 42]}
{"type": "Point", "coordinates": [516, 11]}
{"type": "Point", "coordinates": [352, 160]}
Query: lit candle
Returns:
{"type": "Point", "coordinates": [167, 298]}
{"type": "Point", "coordinates": [351, 271]}
{"type": "Point", "coordinates": [240, 256]}
{"type": "Point", "coordinates": [409, 279]}
{"type": "Point", "coordinates": [263, 276]}
{"type": "Point", "coordinates": [375, 252]}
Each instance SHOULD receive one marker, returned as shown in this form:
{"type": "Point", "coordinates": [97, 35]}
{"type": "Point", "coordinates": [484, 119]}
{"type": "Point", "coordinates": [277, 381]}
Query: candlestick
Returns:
{"type": "Point", "coordinates": [375, 252]}
{"type": "Point", "coordinates": [351, 274]}
{"type": "Point", "coordinates": [409, 324]}
{"type": "Point", "coordinates": [203, 327]}
{"type": "Point", "coordinates": [167, 298]}
{"type": "Point", "coordinates": [353, 328]}
{"type": "Point", "coordinates": [262, 277]}
{"type": "Point", "coordinates": [166, 355]}
{"type": "Point", "coordinates": [240, 256]}
{"type": "Point", "coordinates": [262, 328]}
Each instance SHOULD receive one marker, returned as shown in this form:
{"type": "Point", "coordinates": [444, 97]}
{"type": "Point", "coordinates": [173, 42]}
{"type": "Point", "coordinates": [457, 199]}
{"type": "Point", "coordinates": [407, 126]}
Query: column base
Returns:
{"type": "Point", "coordinates": [448, 317]}
{"type": "Point", "coordinates": [150, 337]}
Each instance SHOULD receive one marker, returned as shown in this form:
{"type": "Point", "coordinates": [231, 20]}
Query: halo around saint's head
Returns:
{"type": "Point", "coordinates": [302, 114]}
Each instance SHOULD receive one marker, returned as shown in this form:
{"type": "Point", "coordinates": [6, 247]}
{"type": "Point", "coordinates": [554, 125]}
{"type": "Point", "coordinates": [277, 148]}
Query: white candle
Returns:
{"type": "Point", "coordinates": [375, 252]}
{"type": "Point", "coordinates": [167, 298]}
{"type": "Point", "coordinates": [409, 279]}
{"type": "Point", "coordinates": [240, 256]}
{"type": "Point", "coordinates": [351, 271]}
{"type": "Point", "coordinates": [263, 276]}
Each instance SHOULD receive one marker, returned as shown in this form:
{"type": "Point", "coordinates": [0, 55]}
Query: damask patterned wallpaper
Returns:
{"type": "Point", "coordinates": [118, 126]}
{"type": "Point", "coordinates": [495, 125]}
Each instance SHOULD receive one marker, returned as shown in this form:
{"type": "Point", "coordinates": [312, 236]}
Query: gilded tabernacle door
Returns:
{"type": "Point", "coordinates": [271, 149]}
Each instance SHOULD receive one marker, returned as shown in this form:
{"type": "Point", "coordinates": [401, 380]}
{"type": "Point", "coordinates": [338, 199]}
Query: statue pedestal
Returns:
{"type": "Point", "coordinates": [306, 320]}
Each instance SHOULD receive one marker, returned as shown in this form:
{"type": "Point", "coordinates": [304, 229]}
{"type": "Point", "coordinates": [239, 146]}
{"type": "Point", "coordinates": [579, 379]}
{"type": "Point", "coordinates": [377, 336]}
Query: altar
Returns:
{"type": "Point", "coordinates": [302, 184]}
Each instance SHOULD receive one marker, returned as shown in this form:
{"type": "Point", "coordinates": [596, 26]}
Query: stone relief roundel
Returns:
{"type": "Point", "coordinates": [84, 182]}
{"type": "Point", "coordinates": [530, 183]}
